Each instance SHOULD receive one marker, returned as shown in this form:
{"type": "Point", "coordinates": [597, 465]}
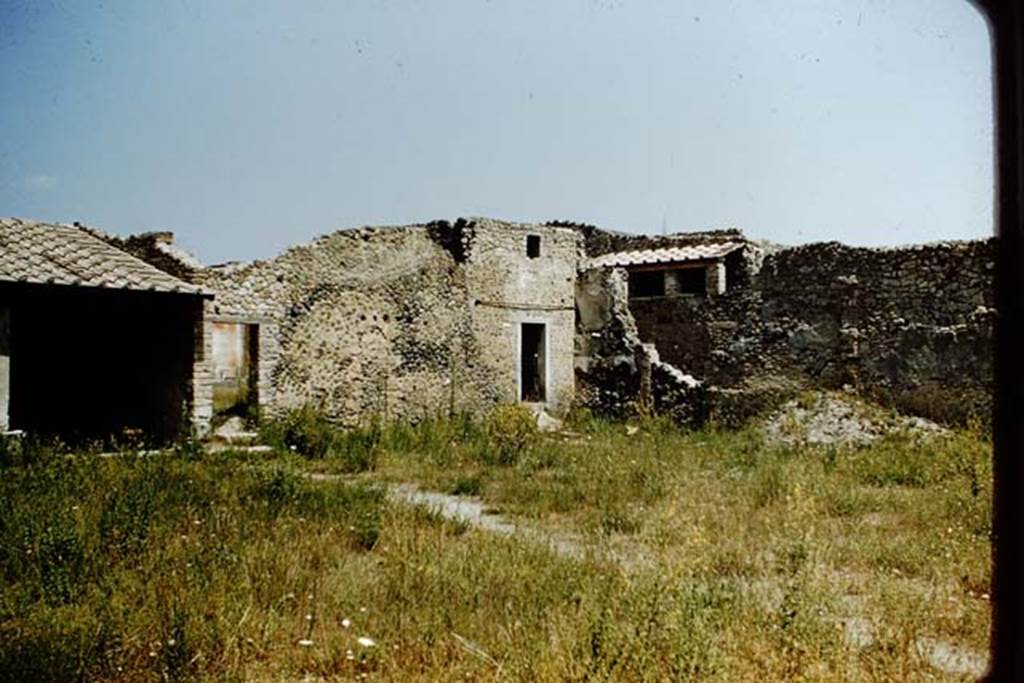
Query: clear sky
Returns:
{"type": "Point", "coordinates": [247, 126]}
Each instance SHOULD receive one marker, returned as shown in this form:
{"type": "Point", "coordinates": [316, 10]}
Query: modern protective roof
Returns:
{"type": "Point", "coordinates": [44, 253]}
{"type": "Point", "coordinates": [691, 252]}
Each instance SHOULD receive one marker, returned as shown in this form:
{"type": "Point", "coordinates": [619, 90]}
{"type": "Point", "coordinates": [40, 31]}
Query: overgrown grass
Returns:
{"type": "Point", "coordinates": [903, 524]}
{"type": "Point", "coordinates": [163, 567]}
{"type": "Point", "coordinates": [749, 558]}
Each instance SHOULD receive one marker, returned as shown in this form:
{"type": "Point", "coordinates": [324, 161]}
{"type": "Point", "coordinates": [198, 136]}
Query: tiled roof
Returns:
{"type": "Point", "coordinates": [693, 252]}
{"type": "Point", "coordinates": [68, 255]}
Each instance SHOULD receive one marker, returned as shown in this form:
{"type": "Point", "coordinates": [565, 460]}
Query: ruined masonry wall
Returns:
{"type": "Point", "coordinates": [384, 322]}
{"type": "Point", "coordinates": [913, 324]}
{"type": "Point", "coordinates": [508, 288]}
{"type": "Point", "coordinates": [890, 320]}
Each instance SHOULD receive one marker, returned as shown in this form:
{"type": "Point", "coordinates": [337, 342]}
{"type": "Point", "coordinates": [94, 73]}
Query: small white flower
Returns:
{"type": "Point", "coordinates": [305, 642]}
{"type": "Point", "coordinates": [170, 641]}
{"type": "Point", "coordinates": [363, 610]}
{"type": "Point", "coordinates": [309, 617]}
{"type": "Point", "coordinates": [345, 623]}
{"type": "Point", "coordinates": [366, 642]}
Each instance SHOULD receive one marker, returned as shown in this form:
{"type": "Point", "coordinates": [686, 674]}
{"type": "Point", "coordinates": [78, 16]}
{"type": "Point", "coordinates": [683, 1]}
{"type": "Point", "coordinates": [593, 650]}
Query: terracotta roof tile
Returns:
{"type": "Point", "coordinates": [693, 252]}
{"type": "Point", "coordinates": [68, 255]}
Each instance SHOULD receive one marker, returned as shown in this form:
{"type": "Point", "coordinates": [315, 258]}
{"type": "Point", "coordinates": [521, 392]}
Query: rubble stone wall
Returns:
{"type": "Point", "coordinates": [401, 322]}
{"type": "Point", "coordinates": [617, 374]}
{"type": "Point", "coordinates": [912, 325]}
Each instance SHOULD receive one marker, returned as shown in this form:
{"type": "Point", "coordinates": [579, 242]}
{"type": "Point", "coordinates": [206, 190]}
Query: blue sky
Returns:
{"type": "Point", "coordinates": [245, 127]}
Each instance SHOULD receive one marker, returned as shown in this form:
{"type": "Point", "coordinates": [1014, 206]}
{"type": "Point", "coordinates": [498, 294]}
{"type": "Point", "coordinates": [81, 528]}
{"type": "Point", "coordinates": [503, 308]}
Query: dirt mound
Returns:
{"type": "Point", "coordinates": [838, 419]}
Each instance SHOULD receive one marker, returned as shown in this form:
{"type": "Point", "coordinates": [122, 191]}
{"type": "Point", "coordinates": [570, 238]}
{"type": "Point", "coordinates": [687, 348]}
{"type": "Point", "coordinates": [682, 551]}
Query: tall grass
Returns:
{"type": "Point", "coordinates": [150, 564]}
{"type": "Point", "coordinates": [185, 565]}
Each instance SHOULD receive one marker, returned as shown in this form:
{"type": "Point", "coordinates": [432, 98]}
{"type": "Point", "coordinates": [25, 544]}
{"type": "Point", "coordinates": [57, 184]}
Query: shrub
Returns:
{"type": "Point", "coordinates": [616, 519]}
{"type": "Point", "coordinates": [10, 450]}
{"type": "Point", "coordinates": [126, 515]}
{"type": "Point", "coordinates": [52, 647]}
{"type": "Point", "coordinates": [189, 449]}
{"type": "Point", "coordinates": [278, 487]}
{"type": "Point", "coordinates": [285, 491]}
{"type": "Point", "coordinates": [511, 431]}
{"type": "Point", "coordinates": [769, 483]}
{"type": "Point", "coordinates": [61, 559]}
{"type": "Point", "coordinates": [310, 433]}
{"type": "Point", "coordinates": [358, 506]}
{"type": "Point", "coordinates": [467, 485]}
{"type": "Point", "coordinates": [356, 450]}
{"type": "Point", "coordinates": [305, 430]}
{"type": "Point", "coordinates": [29, 450]}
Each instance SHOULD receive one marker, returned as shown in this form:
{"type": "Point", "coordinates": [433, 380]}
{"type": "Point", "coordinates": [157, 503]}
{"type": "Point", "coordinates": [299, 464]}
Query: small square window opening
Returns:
{"type": "Point", "coordinates": [533, 246]}
{"type": "Point", "coordinates": [647, 283]}
{"type": "Point", "coordinates": [692, 281]}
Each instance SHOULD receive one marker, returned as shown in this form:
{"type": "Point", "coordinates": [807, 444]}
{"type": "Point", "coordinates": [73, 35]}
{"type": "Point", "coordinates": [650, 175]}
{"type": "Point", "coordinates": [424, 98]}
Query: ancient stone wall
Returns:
{"type": "Point", "coordinates": [617, 374]}
{"type": "Point", "coordinates": [401, 322]}
{"type": "Point", "coordinates": [911, 325]}
{"type": "Point", "coordinates": [510, 288]}
{"type": "Point", "coordinates": [911, 322]}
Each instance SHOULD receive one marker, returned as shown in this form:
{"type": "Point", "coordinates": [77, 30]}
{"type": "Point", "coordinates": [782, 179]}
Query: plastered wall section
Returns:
{"type": "Point", "coordinates": [508, 288]}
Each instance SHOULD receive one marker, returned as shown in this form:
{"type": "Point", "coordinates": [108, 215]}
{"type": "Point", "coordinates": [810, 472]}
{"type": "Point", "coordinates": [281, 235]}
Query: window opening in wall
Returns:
{"type": "Point", "coordinates": [532, 363]}
{"type": "Point", "coordinates": [692, 281]}
{"type": "Point", "coordinates": [647, 283]}
{"type": "Point", "coordinates": [533, 246]}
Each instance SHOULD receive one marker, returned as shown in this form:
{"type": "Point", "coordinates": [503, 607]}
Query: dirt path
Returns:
{"type": "Point", "coordinates": [473, 512]}
{"type": "Point", "coordinates": [858, 630]}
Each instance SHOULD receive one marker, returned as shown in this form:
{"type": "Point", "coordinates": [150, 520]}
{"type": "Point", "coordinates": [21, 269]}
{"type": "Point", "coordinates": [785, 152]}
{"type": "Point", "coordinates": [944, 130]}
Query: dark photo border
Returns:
{"type": "Point", "coordinates": [1006, 23]}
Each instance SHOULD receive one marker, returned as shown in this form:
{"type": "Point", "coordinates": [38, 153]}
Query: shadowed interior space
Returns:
{"type": "Point", "coordinates": [93, 363]}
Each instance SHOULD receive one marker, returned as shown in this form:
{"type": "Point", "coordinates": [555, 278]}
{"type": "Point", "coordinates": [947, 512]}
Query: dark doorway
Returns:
{"type": "Point", "coordinates": [91, 364]}
{"type": "Point", "coordinates": [532, 363]}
